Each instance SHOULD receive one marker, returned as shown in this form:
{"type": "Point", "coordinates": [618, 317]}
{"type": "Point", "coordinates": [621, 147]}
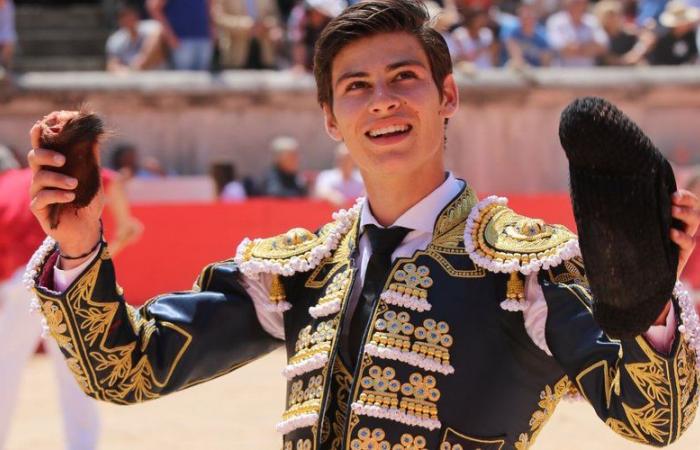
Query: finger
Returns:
{"type": "Point", "coordinates": [35, 134]}
{"type": "Point", "coordinates": [48, 197]}
{"type": "Point", "coordinates": [45, 179]}
{"type": "Point", "coordinates": [41, 157]}
{"type": "Point", "coordinates": [684, 240]}
{"type": "Point", "coordinates": [689, 216]}
{"type": "Point", "coordinates": [685, 198]}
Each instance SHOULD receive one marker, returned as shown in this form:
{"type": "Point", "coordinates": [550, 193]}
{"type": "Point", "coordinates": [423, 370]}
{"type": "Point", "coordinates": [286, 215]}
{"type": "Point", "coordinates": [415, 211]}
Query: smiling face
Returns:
{"type": "Point", "coordinates": [387, 108]}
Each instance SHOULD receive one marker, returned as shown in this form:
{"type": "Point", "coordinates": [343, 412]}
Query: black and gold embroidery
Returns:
{"type": "Point", "coordinates": [107, 373]}
{"type": "Point", "coordinates": [375, 439]}
{"type": "Point", "coordinates": [549, 399]}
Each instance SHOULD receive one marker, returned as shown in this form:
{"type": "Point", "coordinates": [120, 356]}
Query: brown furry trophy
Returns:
{"type": "Point", "coordinates": [75, 135]}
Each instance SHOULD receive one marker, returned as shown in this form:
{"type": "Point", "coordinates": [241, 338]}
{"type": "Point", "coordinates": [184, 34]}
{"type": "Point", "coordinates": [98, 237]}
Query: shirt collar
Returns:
{"type": "Point", "coordinates": [421, 216]}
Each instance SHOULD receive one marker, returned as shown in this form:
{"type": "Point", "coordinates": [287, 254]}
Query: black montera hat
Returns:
{"type": "Point", "coordinates": [621, 188]}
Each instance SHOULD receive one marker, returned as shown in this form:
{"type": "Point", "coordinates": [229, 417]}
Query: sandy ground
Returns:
{"type": "Point", "coordinates": [239, 411]}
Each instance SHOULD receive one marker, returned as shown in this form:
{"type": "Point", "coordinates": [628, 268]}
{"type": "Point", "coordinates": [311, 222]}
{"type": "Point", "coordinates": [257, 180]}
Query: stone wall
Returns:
{"type": "Point", "coordinates": [504, 137]}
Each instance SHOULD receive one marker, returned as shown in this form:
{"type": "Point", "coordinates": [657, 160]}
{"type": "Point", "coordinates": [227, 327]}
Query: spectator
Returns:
{"type": "Point", "coordinates": [306, 22]}
{"type": "Point", "coordinates": [677, 41]}
{"type": "Point", "coordinates": [248, 33]}
{"type": "Point", "coordinates": [474, 42]}
{"type": "Point", "coordinates": [526, 41]}
{"type": "Point", "coordinates": [443, 20]}
{"type": "Point", "coordinates": [8, 34]}
{"type": "Point", "coordinates": [283, 180]}
{"type": "Point", "coordinates": [627, 45]}
{"type": "Point", "coordinates": [342, 184]}
{"type": "Point", "coordinates": [576, 35]}
{"type": "Point", "coordinates": [125, 160]}
{"type": "Point", "coordinates": [137, 44]}
{"type": "Point", "coordinates": [228, 188]}
{"type": "Point", "coordinates": [187, 31]}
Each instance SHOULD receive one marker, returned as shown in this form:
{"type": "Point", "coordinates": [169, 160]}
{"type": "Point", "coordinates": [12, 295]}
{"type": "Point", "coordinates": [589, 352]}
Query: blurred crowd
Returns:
{"type": "Point", "coordinates": [280, 34]}
{"type": "Point", "coordinates": [339, 185]}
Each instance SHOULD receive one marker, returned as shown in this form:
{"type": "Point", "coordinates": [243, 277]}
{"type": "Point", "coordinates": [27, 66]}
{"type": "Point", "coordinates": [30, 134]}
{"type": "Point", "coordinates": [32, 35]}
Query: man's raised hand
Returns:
{"type": "Point", "coordinates": [78, 230]}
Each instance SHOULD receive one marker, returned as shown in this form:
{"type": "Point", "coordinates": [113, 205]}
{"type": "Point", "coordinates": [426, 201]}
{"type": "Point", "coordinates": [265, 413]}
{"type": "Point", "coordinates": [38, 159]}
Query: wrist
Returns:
{"type": "Point", "coordinates": [74, 253]}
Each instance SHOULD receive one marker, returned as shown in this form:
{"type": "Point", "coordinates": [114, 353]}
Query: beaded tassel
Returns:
{"type": "Point", "coordinates": [515, 294]}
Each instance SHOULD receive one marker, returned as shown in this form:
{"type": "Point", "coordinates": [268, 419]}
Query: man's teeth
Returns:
{"type": "Point", "coordinates": [388, 130]}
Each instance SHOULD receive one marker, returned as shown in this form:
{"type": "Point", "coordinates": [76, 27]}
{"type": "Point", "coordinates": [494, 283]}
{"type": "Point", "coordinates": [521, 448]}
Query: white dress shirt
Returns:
{"type": "Point", "coordinates": [420, 218]}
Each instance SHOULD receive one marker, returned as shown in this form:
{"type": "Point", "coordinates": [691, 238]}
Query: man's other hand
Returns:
{"type": "Point", "coordinates": [685, 208]}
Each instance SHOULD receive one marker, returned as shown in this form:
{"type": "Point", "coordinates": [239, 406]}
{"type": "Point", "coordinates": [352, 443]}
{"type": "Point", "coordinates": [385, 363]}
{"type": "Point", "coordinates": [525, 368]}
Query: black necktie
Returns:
{"type": "Point", "coordinates": [383, 241]}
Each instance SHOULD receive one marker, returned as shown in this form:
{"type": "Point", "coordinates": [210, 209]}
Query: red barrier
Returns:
{"type": "Point", "coordinates": [180, 239]}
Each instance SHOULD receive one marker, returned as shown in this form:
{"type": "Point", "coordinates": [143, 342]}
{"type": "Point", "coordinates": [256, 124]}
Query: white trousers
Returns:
{"type": "Point", "coordinates": [20, 333]}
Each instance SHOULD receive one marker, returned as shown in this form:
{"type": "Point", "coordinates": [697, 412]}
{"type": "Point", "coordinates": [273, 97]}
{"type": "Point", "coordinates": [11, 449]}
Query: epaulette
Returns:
{"type": "Point", "coordinates": [502, 241]}
{"type": "Point", "coordinates": [297, 250]}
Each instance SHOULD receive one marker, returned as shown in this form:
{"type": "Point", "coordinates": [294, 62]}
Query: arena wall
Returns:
{"type": "Point", "coordinates": [503, 139]}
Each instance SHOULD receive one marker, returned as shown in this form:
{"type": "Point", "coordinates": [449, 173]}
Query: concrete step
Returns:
{"type": "Point", "coordinates": [59, 63]}
{"type": "Point", "coordinates": [75, 17]}
{"type": "Point", "coordinates": [43, 43]}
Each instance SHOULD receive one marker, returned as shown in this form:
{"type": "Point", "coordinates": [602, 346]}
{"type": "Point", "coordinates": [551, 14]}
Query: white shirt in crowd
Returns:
{"type": "Point", "coordinates": [233, 192]}
{"type": "Point", "coordinates": [561, 32]}
{"type": "Point", "coordinates": [463, 47]}
{"type": "Point", "coordinates": [331, 183]}
{"type": "Point", "coordinates": [420, 218]}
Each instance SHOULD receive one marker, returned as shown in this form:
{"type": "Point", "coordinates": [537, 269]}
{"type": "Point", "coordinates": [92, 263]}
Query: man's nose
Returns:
{"type": "Point", "coordinates": [383, 100]}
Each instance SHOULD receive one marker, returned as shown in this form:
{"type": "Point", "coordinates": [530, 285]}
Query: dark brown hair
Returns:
{"type": "Point", "coordinates": [370, 18]}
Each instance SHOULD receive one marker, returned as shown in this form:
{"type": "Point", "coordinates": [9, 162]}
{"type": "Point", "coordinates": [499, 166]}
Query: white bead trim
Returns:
{"type": "Point", "coordinates": [396, 415]}
{"type": "Point", "coordinates": [344, 219]}
{"type": "Point", "coordinates": [564, 252]}
{"type": "Point", "coordinates": [30, 275]}
{"type": "Point", "coordinates": [690, 326]}
{"type": "Point", "coordinates": [36, 262]}
{"type": "Point", "coordinates": [406, 301]}
{"type": "Point", "coordinates": [307, 365]}
{"type": "Point", "coordinates": [277, 306]}
{"type": "Point", "coordinates": [293, 423]}
{"type": "Point", "coordinates": [409, 357]}
{"type": "Point", "coordinates": [513, 305]}
{"type": "Point", "coordinates": [325, 309]}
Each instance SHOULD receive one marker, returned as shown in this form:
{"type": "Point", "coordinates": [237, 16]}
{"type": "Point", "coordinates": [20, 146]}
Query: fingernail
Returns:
{"type": "Point", "coordinates": [59, 159]}
{"type": "Point", "coordinates": [72, 182]}
{"type": "Point", "coordinates": [69, 195]}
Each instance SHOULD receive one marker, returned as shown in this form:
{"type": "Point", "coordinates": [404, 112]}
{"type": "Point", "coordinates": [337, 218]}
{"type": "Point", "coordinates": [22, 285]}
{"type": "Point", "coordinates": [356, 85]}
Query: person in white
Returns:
{"type": "Point", "coordinates": [341, 184]}
{"type": "Point", "coordinates": [20, 333]}
{"type": "Point", "coordinates": [576, 35]}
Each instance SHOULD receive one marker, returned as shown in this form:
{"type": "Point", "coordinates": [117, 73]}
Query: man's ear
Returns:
{"type": "Point", "coordinates": [450, 97]}
{"type": "Point", "coordinates": [330, 122]}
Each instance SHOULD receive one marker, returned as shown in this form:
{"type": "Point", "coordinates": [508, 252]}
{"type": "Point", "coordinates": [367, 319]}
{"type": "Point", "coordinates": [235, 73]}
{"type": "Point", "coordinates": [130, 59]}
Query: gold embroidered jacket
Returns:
{"type": "Point", "coordinates": [443, 366]}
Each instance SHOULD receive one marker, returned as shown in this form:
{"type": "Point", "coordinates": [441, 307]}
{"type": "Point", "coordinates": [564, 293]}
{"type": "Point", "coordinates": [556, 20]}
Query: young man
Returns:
{"type": "Point", "coordinates": [391, 314]}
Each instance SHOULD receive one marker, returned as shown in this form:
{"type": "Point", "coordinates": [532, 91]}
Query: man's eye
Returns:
{"type": "Point", "coordinates": [406, 75]}
{"type": "Point", "coordinates": [356, 85]}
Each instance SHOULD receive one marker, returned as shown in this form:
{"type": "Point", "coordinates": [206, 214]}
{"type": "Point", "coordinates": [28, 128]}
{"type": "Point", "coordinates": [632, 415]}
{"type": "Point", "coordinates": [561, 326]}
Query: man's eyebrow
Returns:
{"type": "Point", "coordinates": [407, 62]}
{"type": "Point", "coordinates": [347, 75]}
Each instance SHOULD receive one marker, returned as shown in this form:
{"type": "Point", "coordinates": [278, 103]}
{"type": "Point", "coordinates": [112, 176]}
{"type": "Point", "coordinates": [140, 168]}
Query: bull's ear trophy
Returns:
{"type": "Point", "coordinates": [74, 134]}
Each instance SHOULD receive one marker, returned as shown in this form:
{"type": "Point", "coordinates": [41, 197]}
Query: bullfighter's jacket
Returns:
{"type": "Point", "coordinates": [446, 362]}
